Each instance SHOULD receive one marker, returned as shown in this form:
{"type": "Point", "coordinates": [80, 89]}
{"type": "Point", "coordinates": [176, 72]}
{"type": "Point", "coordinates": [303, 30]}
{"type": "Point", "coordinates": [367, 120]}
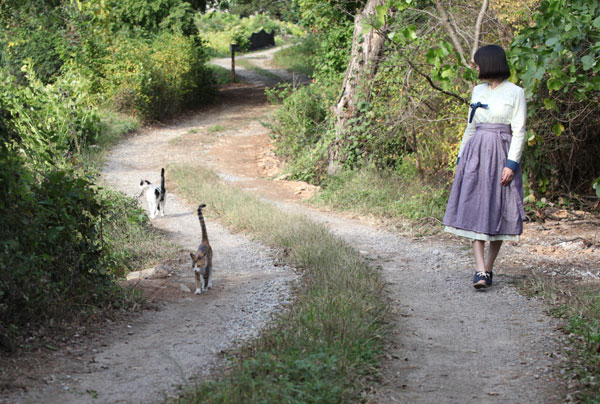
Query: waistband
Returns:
{"type": "Point", "coordinates": [496, 127]}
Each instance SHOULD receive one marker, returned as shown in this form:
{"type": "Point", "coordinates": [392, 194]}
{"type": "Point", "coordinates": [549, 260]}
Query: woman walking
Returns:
{"type": "Point", "coordinates": [486, 200]}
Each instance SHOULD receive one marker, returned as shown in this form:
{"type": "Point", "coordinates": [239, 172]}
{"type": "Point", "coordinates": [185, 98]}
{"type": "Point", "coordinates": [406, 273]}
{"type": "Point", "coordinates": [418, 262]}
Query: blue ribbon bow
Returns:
{"type": "Point", "coordinates": [474, 108]}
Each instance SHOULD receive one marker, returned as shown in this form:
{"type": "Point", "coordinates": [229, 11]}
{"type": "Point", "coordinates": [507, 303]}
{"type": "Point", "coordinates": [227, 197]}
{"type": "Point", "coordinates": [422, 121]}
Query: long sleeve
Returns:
{"type": "Point", "coordinates": [470, 129]}
{"type": "Point", "coordinates": [468, 134]}
{"type": "Point", "coordinates": [517, 124]}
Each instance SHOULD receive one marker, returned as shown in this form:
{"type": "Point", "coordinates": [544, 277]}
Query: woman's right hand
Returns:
{"type": "Point", "coordinates": [507, 176]}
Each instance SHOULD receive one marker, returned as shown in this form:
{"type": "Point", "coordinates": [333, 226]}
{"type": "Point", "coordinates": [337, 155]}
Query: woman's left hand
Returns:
{"type": "Point", "coordinates": [507, 176]}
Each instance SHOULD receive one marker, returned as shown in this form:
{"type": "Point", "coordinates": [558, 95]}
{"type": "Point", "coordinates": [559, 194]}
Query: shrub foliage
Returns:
{"type": "Point", "coordinates": [63, 64]}
{"type": "Point", "coordinates": [417, 107]}
{"type": "Point", "coordinates": [557, 62]}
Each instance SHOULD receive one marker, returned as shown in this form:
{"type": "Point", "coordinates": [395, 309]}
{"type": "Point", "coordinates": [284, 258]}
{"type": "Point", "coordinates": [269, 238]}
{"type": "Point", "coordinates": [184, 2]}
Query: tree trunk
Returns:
{"type": "Point", "coordinates": [367, 45]}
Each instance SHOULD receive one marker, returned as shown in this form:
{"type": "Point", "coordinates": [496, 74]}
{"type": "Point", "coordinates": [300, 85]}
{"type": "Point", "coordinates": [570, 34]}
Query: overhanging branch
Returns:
{"type": "Point", "coordinates": [432, 84]}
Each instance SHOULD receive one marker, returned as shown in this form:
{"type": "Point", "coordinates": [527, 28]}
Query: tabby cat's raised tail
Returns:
{"type": "Point", "coordinates": [202, 224]}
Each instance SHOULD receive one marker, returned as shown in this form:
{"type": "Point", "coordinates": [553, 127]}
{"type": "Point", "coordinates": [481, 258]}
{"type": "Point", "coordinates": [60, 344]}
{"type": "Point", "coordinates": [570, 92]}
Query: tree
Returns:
{"type": "Point", "coordinates": [367, 45]}
{"type": "Point", "coordinates": [383, 24]}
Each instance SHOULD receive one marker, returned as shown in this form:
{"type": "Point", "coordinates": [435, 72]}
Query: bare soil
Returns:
{"type": "Point", "coordinates": [449, 343]}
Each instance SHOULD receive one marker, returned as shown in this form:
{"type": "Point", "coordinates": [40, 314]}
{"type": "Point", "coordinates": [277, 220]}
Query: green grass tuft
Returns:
{"type": "Point", "coordinates": [221, 74]}
{"type": "Point", "coordinates": [296, 58]}
{"type": "Point", "coordinates": [216, 128]}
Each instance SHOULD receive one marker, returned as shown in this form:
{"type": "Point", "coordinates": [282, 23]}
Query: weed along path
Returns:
{"type": "Point", "coordinates": [448, 343]}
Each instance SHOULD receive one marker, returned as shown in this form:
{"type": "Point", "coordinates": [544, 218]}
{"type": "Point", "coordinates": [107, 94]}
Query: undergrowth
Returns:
{"type": "Point", "coordinates": [326, 346]}
{"type": "Point", "coordinates": [386, 194]}
{"type": "Point", "coordinates": [221, 74]}
{"type": "Point", "coordinates": [579, 305]}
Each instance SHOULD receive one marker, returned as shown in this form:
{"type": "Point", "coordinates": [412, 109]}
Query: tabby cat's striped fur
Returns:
{"type": "Point", "coordinates": [202, 260]}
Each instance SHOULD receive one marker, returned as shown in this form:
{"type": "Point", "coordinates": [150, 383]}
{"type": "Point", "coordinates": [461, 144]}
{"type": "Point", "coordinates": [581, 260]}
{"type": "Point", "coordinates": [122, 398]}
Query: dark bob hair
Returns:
{"type": "Point", "coordinates": [492, 62]}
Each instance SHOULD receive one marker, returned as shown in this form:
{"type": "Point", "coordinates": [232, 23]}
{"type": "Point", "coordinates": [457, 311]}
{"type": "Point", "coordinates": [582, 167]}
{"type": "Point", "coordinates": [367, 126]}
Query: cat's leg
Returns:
{"type": "Point", "coordinates": [209, 283]}
{"type": "Point", "coordinates": [154, 209]}
{"type": "Point", "coordinates": [162, 207]}
{"type": "Point", "coordinates": [199, 281]}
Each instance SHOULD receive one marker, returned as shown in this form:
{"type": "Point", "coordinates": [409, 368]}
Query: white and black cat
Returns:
{"type": "Point", "coordinates": [155, 196]}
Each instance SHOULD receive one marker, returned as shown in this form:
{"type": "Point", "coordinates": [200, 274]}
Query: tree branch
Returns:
{"type": "Point", "coordinates": [482, 11]}
{"type": "Point", "coordinates": [450, 31]}
{"type": "Point", "coordinates": [432, 84]}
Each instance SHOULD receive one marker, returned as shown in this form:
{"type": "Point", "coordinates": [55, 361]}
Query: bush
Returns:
{"type": "Point", "coordinates": [156, 78]}
{"type": "Point", "coordinates": [62, 241]}
{"type": "Point", "coordinates": [557, 61]}
{"type": "Point", "coordinates": [63, 245]}
{"type": "Point", "coordinates": [52, 249]}
{"type": "Point", "coordinates": [32, 35]}
{"type": "Point", "coordinates": [298, 127]}
{"type": "Point", "coordinates": [154, 15]}
{"type": "Point", "coordinates": [53, 121]}
{"type": "Point", "coordinates": [220, 29]}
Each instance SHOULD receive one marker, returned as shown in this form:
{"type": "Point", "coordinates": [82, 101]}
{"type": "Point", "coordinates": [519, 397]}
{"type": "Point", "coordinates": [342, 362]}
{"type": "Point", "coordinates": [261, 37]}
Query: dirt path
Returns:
{"type": "Point", "coordinates": [450, 343]}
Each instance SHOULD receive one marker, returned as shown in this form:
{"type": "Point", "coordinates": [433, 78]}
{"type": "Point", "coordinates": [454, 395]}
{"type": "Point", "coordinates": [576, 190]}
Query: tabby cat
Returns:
{"type": "Point", "coordinates": [202, 260]}
{"type": "Point", "coordinates": [155, 196]}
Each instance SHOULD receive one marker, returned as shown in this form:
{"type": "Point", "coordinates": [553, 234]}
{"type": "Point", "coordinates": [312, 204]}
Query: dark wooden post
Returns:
{"type": "Point", "coordinates": [234, 47]}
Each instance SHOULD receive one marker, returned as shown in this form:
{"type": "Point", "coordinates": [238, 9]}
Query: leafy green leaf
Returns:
{"type": "Point", "coordinates": [558, 129]}
{"type": "Point", "coordinates": [410, 33]}
{"type": "Point", "coordinates": [447, 72]}
{"type": "Point", "coordinates": [554, 84]}
{"type": "Point", "coordinates": [381, 12]}
{"type": "Point", "coordinates": [550, 104]}
{"type": "Point", "coordinates": [431, 56]}
{"type": "Point", "coordinates": [588, 61]}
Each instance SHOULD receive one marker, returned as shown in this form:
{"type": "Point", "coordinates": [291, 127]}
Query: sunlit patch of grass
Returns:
{"type": "Point", "coordinates": [216, 128]}
{"type": "Point", "coordinates": [248, 65]}
{"type": "Point", "coordinates": [385, 194]}
{"type": "Point", "coordinates": [325, 347]}
{"type": "Point", "coordinates": [295, 58]}
{"type": "Point", "coordinates": [221, 74]}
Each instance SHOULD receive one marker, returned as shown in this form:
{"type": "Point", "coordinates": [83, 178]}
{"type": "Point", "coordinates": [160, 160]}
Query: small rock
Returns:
{"type": "Point", "coordinates": [282, 177]}
{"type": "Point", "coordinates": [149, 273]}
{"type": "Point", "coordinates": [184, 288]}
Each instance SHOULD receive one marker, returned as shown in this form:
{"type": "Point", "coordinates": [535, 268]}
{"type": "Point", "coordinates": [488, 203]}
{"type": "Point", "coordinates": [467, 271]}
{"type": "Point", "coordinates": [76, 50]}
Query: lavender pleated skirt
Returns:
{"type": "Point", "coordinates": [479, 207]}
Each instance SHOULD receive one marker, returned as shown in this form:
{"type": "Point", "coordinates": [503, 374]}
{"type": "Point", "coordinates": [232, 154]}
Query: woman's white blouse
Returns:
{"type": "Point", "coordinates": [505, 104]}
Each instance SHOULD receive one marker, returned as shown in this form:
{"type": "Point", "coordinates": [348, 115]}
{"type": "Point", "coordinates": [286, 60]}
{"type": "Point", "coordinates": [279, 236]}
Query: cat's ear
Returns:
{"type": "Point", "coordinates": [193, 256]}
